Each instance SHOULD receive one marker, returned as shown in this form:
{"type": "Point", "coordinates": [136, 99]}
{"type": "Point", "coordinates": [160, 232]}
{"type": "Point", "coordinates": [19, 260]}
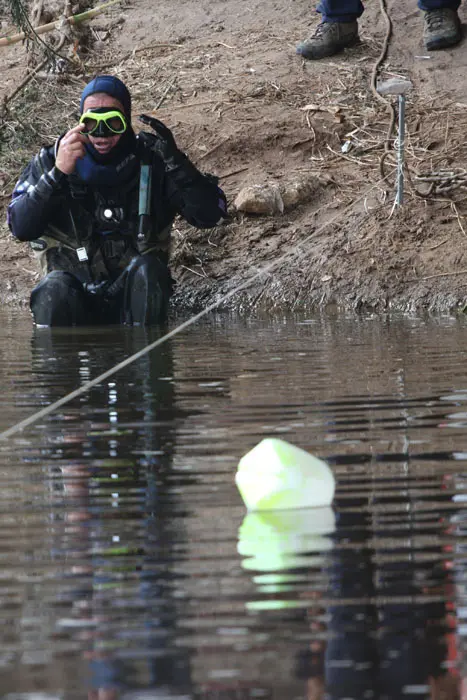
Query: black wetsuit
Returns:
{"type": "Point", "coordinates": [85, 235]}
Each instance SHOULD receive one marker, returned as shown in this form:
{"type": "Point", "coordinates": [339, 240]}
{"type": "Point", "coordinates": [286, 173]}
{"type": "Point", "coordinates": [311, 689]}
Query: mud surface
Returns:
{"type": "Point", "coordinates": [225, 78]}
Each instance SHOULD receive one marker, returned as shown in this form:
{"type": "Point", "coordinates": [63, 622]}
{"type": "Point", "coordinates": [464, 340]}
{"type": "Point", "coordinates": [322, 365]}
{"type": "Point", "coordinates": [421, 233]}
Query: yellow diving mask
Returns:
{"type": "Point", "coordinates": [103, 122]}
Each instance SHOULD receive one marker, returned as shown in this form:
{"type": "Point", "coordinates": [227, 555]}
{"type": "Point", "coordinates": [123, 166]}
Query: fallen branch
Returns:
{"type": "Point", "coordinates": [433, 247]}
{"type": "Point", "coordinates": [192, 104]}
{"type": "Point", "coordinates": [223, 176]}
{"type": "Point", "coordinates": [75, 19]}
{"type": "Point", "coordinates": [227, 46]}
{"type": "Point", "coordinates": [23, 83]}
{"type": "Point", "coordinates": [138, 49]}
{"type": "Point", "coordinates": [190, 269]}
{"type": "Point", "coordinates": [165, 93]}
{"type": "Point", "coordinates": [441, 274]}
{"type": "Point", "coordinates": [444, 181]}
{"type": "Point", "coordinates": [458, 216]}
{"type": "Point", "coordinates": [214, 148]}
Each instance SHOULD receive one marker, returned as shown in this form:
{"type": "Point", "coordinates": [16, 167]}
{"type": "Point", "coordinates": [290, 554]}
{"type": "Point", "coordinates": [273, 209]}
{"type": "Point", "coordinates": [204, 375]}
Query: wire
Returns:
{"type": "Point", "coordinates": [148, 348]}
{"type": "Point", "coordinates": [374, 74]}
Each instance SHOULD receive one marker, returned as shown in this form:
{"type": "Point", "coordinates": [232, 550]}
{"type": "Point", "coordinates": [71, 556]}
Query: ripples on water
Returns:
{"type": "Point", "coordinates": [128, 567]}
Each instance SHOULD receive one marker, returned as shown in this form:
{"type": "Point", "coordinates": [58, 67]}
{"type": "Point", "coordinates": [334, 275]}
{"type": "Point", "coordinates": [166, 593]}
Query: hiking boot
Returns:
{"type": "Point", "coordinates": [329, 38]}
{"type": "Point", "coordinates": [442, 29]}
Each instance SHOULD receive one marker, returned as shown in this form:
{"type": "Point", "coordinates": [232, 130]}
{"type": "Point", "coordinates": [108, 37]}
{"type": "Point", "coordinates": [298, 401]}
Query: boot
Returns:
{"type": "Point", "coordinates": [329, 38]}
{"type": "Point", "coordinates": [442, 29]}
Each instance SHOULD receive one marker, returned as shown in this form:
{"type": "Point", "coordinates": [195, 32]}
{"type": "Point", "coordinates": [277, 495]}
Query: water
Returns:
{"type": "Point", "coordinates": [127, 566]}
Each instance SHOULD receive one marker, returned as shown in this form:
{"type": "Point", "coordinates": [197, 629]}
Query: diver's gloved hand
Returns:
{"type": "Point", "coordinates": [162, 142]}
{"type": "Point", "coordinates": [177, 165]}
{"type": "Point", "coordinates": [97, 288]}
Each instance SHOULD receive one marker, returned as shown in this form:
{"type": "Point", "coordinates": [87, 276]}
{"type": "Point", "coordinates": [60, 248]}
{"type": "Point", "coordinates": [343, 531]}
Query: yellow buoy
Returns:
{"type": "Point", "coordinates": [277, 475]}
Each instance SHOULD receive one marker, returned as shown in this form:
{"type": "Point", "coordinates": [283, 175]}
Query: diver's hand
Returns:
{"type": "Point", "coordinates": [70, 148]}
{"type": "Point", "coordinates": [162, 142]}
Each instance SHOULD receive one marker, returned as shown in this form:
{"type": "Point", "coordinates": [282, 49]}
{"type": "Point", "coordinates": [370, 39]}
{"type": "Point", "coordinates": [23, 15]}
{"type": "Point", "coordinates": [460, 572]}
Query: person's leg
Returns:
{"type": "Point", "coordinates": [59, 300]}
{"type": "Point", "coordinates": [340, 10]}
{"type": "Point", "coordinates": [442, 25]}
{"type": "Point", "coordinates": [147, 291]}
{"type": "Point", "coordinates": [337, 30]}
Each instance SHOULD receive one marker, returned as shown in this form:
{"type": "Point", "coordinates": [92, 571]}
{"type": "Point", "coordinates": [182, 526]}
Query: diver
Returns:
{"type": "Point", "coordinates": [97, 209]}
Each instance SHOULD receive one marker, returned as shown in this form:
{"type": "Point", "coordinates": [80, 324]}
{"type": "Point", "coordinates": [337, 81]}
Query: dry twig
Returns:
{"type": "Point", "coordinates": [441, 274]}
{"type": "Point", "coordinates": [456, 211]}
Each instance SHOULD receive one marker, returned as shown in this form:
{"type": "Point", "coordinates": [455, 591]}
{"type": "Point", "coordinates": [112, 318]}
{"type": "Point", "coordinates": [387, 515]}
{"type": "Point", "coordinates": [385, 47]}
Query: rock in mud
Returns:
{"type": "Point", "coordinates": [297, 191]}
{"type": "Point", "coordinates": [260, 199]}
{"type": "Point", "coordinates": [273, 198]}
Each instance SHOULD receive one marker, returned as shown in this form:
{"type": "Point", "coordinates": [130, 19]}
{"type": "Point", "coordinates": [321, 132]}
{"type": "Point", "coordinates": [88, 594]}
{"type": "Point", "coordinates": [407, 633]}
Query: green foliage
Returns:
{"type": "Point", "coordinates": [19, 14]}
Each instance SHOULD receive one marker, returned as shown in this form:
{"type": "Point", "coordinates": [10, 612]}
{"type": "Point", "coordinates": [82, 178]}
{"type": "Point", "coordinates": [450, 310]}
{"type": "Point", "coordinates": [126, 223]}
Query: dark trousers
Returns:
{"type": "Point", "coordinates": [142, 298]}
{"type": "Point", "coordinates": [349, 10]}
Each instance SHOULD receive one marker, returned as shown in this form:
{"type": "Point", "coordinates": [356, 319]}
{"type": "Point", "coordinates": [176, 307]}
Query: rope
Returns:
{"type": "Point", "coordinates": [148, 348]}
{"type": "Point", "coordinates": [374, 74]}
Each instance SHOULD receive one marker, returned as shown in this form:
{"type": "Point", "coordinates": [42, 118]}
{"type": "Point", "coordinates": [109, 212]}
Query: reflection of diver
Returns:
{"type": "Point", "coordinates": [381, 643]}
{"type": "Point", "coordinates": [114, 456]}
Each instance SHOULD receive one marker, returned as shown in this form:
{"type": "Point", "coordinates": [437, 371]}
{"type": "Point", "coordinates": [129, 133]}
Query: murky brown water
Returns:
{"type": "Point", "coordinates": [128, 569]}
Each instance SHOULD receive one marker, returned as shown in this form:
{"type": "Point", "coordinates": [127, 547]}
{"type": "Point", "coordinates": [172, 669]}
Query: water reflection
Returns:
{"type": "Point", "coordinates": [275, 541]}
{"type": "Point", "coordinates": [387, 616]}
{"type": "Point", "coordinates": [378, 623]}
{"type": "Point", "coordinates": [110, 592]}
{"type": "Point", "coordinates": [129, 568]}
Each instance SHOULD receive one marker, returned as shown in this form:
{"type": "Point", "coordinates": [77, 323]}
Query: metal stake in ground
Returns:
{"type": "Point", "coordinates": [398, 86]}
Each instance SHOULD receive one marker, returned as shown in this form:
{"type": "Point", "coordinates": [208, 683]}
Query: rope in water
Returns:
{"type": "Point", "coordinates": [189, 322]}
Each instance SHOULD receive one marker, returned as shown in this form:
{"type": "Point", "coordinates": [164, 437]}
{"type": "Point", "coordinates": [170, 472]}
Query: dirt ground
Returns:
{"type": "Point", "coordinates": [224, 76]}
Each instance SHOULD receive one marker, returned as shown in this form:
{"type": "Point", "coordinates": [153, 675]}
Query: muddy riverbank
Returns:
{"type": "Point", "coordinates": [225, 78]}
